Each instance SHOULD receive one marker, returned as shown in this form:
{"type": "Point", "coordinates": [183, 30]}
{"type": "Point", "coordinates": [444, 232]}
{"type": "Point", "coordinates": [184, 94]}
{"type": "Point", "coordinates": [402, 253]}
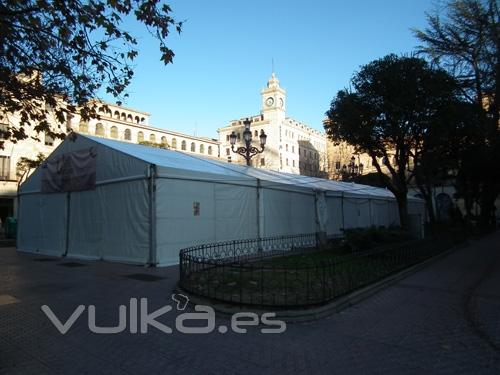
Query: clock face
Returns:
{"type": "Point", "coordinates": [269, 102]}
{"type": "Point", "coordinates": [281, 102]}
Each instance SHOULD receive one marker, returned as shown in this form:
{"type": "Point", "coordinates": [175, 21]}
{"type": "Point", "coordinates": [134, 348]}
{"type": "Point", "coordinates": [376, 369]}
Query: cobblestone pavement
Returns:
{"type": "Point", "coordinates": [443, 319]}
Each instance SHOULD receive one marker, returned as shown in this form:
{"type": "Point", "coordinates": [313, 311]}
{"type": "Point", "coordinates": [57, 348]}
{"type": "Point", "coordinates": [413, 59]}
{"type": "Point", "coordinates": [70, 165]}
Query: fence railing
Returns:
{"type": "Point", "coordinates": [263, 272]}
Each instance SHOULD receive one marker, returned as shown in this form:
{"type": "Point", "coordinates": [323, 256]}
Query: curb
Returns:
{"type": "Point", "coordinates": [315, 313]}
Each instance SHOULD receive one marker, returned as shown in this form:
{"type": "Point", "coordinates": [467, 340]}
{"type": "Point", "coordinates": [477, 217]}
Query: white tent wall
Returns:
{"type": "Point", "coordinates": [356, 212]}
{"type": "Point", "coordinates": [111, 222]}
{"type": "Point", "coordinates": [106, 223]}
{"type": "Point", "coordinates": [43, 219]}
{"type": "Point", "coordinates": [287, 212]}
{"type": "Point", "coordinates": [380, 212]}
{"type": "Point", "coordinates": [149, 203]}
{"type": "Point", "coordinates": [335, 221]}
{"type": "Point", "coordinates": [226, 212]}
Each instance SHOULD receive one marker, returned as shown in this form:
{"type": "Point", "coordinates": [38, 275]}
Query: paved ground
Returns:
{"type": "Point", "coordinates": [443, 319]}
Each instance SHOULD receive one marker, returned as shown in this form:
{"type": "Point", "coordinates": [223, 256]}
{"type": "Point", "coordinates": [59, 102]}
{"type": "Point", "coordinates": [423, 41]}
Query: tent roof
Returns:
{"type": "Point", "coordinates": [182, 161]}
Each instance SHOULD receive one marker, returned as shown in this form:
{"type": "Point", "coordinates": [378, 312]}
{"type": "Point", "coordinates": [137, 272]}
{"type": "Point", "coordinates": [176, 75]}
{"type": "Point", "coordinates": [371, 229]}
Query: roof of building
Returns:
{"type": "Point", "coordinates": [179, 160]}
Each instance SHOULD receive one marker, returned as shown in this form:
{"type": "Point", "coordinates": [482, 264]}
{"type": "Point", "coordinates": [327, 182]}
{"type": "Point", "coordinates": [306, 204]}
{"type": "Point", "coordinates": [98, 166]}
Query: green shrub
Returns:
{"type": "Point", "coordinates": [368, 238]}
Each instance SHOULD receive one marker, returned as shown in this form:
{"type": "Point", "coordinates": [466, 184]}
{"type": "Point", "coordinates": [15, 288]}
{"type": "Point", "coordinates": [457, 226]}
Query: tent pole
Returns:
{"type": "Point", "coordinates": [258, 216]}
{"type": "Point", "coordinates": [68, 212]}
{"type": "Point", "coordinates": [370, 211]}
{"type": "Point", "coordinates": [152, 261]}
{"type": "Point", "coordinates": [343, 220]}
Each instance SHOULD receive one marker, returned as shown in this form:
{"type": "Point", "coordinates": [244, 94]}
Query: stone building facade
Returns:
{"type": "Point", "coordinates": [291, 146]}
{"type": "Point", "coordinates": [115, 122]}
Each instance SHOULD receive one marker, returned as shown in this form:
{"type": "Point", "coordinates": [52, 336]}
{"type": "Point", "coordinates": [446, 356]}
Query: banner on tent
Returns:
{"type": "Point", "coordinates": [73, 171]}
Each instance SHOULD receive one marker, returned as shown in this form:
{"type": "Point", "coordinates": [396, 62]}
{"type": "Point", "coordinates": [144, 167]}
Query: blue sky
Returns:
{"type": "Point", "coordinates": [223, 56]}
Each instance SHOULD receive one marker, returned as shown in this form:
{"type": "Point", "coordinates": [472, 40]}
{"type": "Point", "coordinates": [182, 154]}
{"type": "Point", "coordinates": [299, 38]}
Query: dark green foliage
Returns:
{"type": "Point", "coordinates": [369, 238]}
{"type": "Point", "coordinates": [463, 37]}
{"type": "Point", "coordinates": [57, 55]}
{"type": "Point", "coordinates": [389, 113]}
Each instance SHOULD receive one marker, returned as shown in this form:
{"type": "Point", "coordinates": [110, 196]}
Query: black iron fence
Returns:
{"type": "Point", "coordinates": [287, 271]}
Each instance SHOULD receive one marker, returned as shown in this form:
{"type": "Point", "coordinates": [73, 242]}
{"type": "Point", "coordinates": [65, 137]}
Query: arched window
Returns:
{"type": "Point", "coordinates": [136, 119]}
{"type": "Point", "coordinates": [193, 147]}
{"type": "Point", "coordinates": [128, 135]}
{"type": "Point", "coordinates": [124, 117]}
{"type": "Point", "coordinates": [83, 127]}
{"type": "Point", "coordinates": [164, 142]}
{"type": "Point", "coordinates": [152, 138]}
{"type": "Point", "coordinates": [101, 110]}
{"type": "Point", "coordinates": [142, 120]}
{"type": "Point", "coordinates": [183, 145]}
{"type": "Point", "coordinates": [99, 130]}
{"type": "Point", "coordinates": [174, 143]}
{"type": "Point", "coordinates": [113, 132]}
{"type": "Point", "coordinates": [202, 149]}
{"type": "Point", "coordinates": [117, 115]}
{"type": "Point", "coordinates": [140, 137]}
{"type": "Point", "coordinates": [129, 117]}
{"type": "Point", "coordinates": [209, 150]}
{"type": "Point", "coordinates": [49, 140]}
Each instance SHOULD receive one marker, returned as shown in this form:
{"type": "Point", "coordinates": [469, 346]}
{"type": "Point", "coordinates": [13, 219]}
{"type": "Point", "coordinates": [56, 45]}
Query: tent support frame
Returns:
{"type": "Point", "coordinates": [152, 261]}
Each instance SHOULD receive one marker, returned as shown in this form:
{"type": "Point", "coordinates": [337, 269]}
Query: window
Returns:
{"type": "Point", "coordinates": [124, 117]}
{"type": "Point", "coordinates": [227, 138]}
{"type": "Point", "coordinates": [193, 147]}
{"type": "Point", "coordinates": [337, 165]}
{"type": "Point", "coordinates": [293, 163]}
{"type": "Point", "coordinates": [49, 141]}
{"type": "Point", "coordinates": [152, 138]}
{"type": "Point", "coordinates": [209, 150]}
{"type": "Point", "coordinates": [113, 132]}
{"type": "Point", "coordinates": [183, 145]}
{"type": "Point", "coordinates": [117, 115]}
{"type": "Point", "coordinates": [83, 127]}
{"type": "Point", "coordinates": [256, 133]}
{"type": "Point", "coordinates": [164, 142]}
{"type": "Point", "coordinates": [4, 167]}
{"type": "Point", "coordinates": [127, 135]}
{"type": "Point", "coordinates": [140, 137]}
{"type": "Point", "coordinates": [293, 149]}
{"type": "Point", "coordinates": [174, 143]}
{"type": "Point", "coordinates": [99, 130]}
{"type": "Point", "coordinates": [136, 119]}
{"type": "Point", "coordinates": [202, 149]}
{"type": "Point", "coordinates": [286, 147]}
{"type": "Point", "coordinates": [129, 118]}
{"type": "Point", "coordinates": [4, 128]}
{"type": "Point", "coordinates": [287, 161]}
{"type": "Point", "coordinates": [228, 151]}
{"type": "Point", "coordinates": [238, 135]}
{"type": "Point", "coordinates": [262, 162]}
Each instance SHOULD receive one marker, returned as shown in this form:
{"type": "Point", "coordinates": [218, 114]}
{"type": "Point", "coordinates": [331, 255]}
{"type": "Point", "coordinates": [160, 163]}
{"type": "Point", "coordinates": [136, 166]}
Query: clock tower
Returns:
{"type": "Point", "coordinates": [273, 101]}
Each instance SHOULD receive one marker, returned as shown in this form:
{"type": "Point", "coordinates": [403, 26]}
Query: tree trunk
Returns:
{"type": "Point", "coordinates": [403, 211]}
{"type": "Point", "coordinates": [487, 205]}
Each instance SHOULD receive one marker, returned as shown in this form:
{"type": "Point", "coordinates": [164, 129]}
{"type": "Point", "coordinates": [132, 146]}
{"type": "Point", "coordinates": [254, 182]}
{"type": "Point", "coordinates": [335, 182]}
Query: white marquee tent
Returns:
{"type": "Point", "coordinates": [96, 198]}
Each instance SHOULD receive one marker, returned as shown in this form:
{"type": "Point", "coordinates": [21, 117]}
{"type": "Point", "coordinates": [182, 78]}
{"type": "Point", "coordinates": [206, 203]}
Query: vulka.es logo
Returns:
{"type": "Point", "coordinates": [137, 317]}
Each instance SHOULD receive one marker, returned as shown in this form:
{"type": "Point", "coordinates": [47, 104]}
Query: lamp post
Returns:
{"type": "Point", "coordinates": [352, 169]}
{"type": "Point", "coordinates": [248, 151]}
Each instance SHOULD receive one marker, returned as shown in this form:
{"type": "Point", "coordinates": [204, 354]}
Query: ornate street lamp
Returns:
{"type": "Point", "coordinates": [248, 151]}
{"type": "Point", "coordinates": [352, 169]}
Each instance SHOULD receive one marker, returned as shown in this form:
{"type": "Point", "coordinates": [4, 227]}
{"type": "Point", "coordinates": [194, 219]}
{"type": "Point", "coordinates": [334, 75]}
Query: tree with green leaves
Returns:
{"type": "Point", "coordinates": [463, 37]}
{"type": "Point", "coordinates": [58, 55]}
{"type": "Point", "coordinates": [393, 104]}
